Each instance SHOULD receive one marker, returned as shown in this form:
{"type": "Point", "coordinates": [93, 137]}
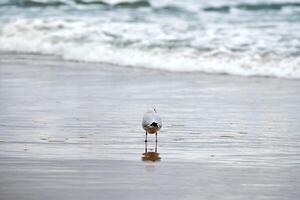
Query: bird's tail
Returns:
{"type": "Point", "coordinates": [154, 124]}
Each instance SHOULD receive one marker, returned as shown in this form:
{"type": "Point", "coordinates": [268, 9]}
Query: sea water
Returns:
{"type": "Point", "coordinates": [241, 37]}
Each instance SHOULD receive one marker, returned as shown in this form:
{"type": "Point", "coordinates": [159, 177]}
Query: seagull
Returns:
{"type": "Point", "coordinates": [151, 123]}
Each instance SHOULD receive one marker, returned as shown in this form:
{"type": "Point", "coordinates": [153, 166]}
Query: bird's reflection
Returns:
{"type": "Point", "coordinates": [150, 154]}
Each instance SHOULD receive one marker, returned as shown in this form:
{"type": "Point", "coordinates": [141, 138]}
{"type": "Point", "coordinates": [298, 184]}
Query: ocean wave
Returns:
{"type": "Point", "coordinates": [58, 3]}
{"type": "Point", "coordinates": [104, 4]}
{"type": "Point", "coordinates": [73, 40]}
{"type": "Point", "coordinates": [165, 8]}
{"type": "Point", "coordinates": [169, 61]}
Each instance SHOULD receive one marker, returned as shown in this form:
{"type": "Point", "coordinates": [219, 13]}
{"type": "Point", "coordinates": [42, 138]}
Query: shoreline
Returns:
{"type": "Point", "coordinates": [32, 55]}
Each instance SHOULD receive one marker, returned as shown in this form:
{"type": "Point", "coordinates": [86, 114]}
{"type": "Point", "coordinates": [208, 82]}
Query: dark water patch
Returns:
{"type": "Point", "coordinates": [31, 3]}
{"type": "Point", "coordinates": [35, 3]}
{"type": "Point", "coordinates": [172, 9]}
{"type": "Point", "coordinates": [124, 4]}
{"type": "Point", "coordinates": [135, 4]}
{"type": "Point", "coordinates": [223, 9]}
{"type": "Point", "coordinates": [252, 7]}
{"type": "Point", "coordinates": [266, 6]}
{"type": "Point", "coordinates": [175, 11]}
{"type": "Point", "coordinates": [4, 4]}
{"type": "Point", "coordinates": [82, 2]}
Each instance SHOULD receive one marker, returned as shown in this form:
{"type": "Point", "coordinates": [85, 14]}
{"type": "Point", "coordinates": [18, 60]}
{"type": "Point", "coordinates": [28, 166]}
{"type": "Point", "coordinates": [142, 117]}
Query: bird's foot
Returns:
{"type": "Point", "coordinates": [146, 140]}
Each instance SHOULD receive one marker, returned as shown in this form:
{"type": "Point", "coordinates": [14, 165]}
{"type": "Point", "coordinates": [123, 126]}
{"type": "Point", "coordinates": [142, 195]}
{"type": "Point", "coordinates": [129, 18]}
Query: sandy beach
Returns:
{"type": "Point", "coordinates": [72, 130]}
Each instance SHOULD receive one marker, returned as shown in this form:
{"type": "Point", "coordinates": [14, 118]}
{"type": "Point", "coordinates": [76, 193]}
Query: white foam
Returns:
{"type": "Point", "coordinates": [86, 42]}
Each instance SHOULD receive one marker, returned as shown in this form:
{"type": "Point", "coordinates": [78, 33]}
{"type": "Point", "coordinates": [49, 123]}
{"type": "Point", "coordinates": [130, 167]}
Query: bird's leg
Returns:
{"type": "Point", "coordinates": [146, 149]}
{"type": "Point", "coordinates": [156, 137]}
{"type": "Point", "coordinates": [146, 136]}
{"type": "Point", "coordinates": [156, 147]}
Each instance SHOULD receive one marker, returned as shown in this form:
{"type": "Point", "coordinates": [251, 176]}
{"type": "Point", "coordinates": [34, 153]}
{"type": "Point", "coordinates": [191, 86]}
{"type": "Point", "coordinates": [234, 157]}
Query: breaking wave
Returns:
{"type": "Point", "coordinates": [78, 41]}
{"type": "Point", "coordinates": [241, 37]}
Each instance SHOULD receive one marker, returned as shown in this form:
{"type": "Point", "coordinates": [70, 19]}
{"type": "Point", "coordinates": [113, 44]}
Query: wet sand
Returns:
{"type": "Point", "coordinates": [73, 131]}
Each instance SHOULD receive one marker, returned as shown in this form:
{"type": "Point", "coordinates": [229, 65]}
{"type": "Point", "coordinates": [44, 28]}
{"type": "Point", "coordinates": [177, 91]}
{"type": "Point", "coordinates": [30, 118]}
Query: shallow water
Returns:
{"type": "Point", "coordinates": [241, 37]}
{"type": "Point", "coordinates": [52, 109]}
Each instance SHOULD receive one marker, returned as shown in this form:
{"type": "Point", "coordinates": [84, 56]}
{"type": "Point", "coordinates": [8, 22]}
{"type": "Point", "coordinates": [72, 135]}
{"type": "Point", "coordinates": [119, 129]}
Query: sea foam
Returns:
{"type": "Point", "coordinates": [163, 42]}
